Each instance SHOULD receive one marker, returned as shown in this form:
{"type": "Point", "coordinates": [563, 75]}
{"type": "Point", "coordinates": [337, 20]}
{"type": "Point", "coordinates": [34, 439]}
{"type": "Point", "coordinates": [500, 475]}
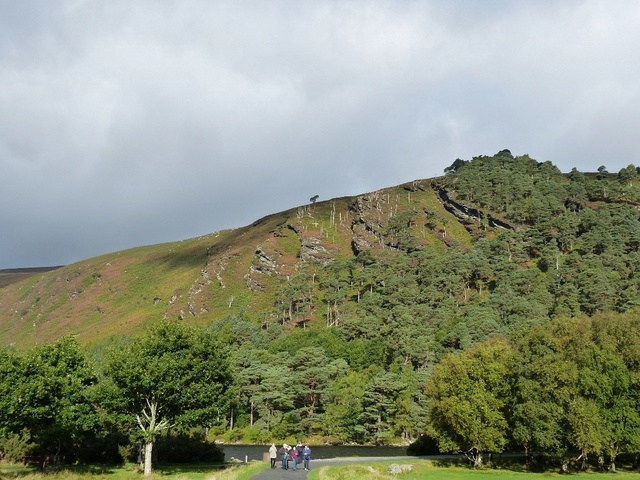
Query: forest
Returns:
{"type": "Point", "coordinates": [520, 335]}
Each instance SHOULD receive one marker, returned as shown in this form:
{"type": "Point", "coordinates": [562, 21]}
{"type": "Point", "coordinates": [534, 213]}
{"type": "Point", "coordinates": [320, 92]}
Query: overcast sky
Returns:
{"type": "Point", "coordinates": [128, 123]}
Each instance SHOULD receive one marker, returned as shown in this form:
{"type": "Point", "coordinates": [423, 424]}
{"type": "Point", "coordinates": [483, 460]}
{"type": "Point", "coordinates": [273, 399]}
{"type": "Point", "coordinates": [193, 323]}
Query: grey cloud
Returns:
{"type": "Point", "coordinates": [129, 123]}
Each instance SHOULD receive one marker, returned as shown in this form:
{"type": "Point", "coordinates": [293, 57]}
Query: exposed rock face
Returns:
{"type": "Point", "coordinates": [262, 265]}
{"type": "Point", "coordinates": [265, 264]}
{"type": "Point", "coordinates": [197, 297]}
{"type": "Point", "coordinates": [366, 226]}
{"type": "Point", "coordinates": [252, 282]}
{"type": "Point", "coordinates": [313, 251]}
{"type": "Point", "coordinates": [466, 213]}
{"type": "Point", "coordinates": [268, 260]}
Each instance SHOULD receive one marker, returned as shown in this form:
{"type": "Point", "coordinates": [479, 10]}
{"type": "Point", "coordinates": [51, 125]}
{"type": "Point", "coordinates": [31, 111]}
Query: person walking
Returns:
{"type": "Point", "coordinates": [285, 457]}
{"type": "Point", "coordinates": [299, 447]}
{"type": "Point", "coordinates": [306, 456]}
{"type": "Point", "coordinates": [273, 455]}
{"type": "Point", "coordinates": [294, 458]}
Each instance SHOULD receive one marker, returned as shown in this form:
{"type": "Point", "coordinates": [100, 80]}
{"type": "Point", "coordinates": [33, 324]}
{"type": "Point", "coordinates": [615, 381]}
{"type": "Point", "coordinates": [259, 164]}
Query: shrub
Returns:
{"type": "Point", "coordinates": [15, 446]}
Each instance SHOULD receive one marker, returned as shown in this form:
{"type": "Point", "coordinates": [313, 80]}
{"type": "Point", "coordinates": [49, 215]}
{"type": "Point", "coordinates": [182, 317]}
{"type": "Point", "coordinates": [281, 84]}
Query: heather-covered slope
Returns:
{"type": "Point", "coordinates": [405, 273]}
{"type": "Point", "coordinates": [209, 277]}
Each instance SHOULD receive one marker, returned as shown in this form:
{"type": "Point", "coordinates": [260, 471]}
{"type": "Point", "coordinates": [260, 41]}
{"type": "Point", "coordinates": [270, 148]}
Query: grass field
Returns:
{"type": "Point", "coordinates": [427, 470]}
{"type": "Point", "coordinates": [420, 470]}
{"type": "Point", "coordinates": [240, 472]}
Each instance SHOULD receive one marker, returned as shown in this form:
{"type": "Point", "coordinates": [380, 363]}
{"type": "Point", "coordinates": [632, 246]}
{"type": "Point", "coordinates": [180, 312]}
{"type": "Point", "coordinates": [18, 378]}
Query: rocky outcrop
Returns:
{"type": "Point", "coordinates": [264, 263]}
{"type": "Point", "coordinates": [366, 226]}
{"type": "Point", "coordinates": [313, 251]}
{"type": "Point", "coordinates": [467, 213]}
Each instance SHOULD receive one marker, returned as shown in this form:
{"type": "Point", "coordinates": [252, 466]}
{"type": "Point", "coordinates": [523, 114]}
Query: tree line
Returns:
{"type": "Point", "coordinates": [565, 391]}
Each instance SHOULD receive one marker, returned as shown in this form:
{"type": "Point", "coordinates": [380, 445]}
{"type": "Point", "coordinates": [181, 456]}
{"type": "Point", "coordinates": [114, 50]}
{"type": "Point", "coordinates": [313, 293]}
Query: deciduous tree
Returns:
{"type": "Point", "coordinates": [171, 375]}
{"type": "Point", "coordinates": [469, 393]}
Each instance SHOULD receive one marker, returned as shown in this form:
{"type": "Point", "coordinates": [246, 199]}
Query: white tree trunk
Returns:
{"type": "Point", "coordinates": [477, 462]}
{"type": "Point", "coordinates": [150, 427]}
{"type": "Point", "coordinates": [148, 450]}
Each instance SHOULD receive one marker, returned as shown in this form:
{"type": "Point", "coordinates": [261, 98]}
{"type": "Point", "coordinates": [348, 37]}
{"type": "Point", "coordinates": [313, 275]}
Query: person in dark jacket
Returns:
{"type": "Point", "coordinates": [306, 457]}
{"type": "Point", "coordinates": [285, 456]}
{"type": "Point", "coordinates": [299, 448]}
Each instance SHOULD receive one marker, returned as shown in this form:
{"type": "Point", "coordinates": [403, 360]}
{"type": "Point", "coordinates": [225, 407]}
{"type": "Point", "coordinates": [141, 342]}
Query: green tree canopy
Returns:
{"type": "Point", "coordinates": [46, 392]}
{"type": "Point", "coordinates": [171, 375]}
{"type": "Point", "coordinates": [469, 394]}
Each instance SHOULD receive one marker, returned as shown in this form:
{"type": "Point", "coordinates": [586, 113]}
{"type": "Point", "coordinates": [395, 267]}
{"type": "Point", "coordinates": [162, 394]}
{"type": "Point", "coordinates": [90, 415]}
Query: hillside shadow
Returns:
{"type": "Point", "coordinates": [196, 256]}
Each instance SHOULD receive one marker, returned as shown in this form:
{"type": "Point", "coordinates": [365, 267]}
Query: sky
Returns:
{"type": "Point", "coordinates": [127, 123]}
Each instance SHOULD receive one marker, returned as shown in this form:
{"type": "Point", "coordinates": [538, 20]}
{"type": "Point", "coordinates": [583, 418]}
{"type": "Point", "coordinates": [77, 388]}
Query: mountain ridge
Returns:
{"type": "Point", "coordinates": [61, 301]}
{"type": "Point", "coordinates": [311, 265]}
{"type": "Point", "coordinates": [13, 275]}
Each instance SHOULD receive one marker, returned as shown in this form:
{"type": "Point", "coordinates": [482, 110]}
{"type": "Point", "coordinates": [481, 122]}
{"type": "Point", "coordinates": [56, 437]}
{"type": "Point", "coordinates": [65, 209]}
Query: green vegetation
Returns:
{"type": "Point", "coordinates": [174, 376]}
{"type": "Point", "coordinates": [491, 309]}
{"type": "Point", "coordinates": [566, 391]}
{"type": "Point", "coordinates": [427, 470]}
{"type": "Point", "coordinates": [163, 387]}
{"type": "Point", "coordinates": [222, 472]}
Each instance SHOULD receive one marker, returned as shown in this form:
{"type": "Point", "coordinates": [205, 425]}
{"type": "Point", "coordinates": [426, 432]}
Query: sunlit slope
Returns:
{"type": "Point", "coordinates": [239, 271]}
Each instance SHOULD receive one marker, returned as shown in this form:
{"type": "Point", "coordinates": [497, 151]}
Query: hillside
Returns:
{"type": "Point", "coordinates": [205, 278]}
{"type": "Point", "coordinates": [335, 322]}
{"type": "Point", "coordinates": [495, 243]}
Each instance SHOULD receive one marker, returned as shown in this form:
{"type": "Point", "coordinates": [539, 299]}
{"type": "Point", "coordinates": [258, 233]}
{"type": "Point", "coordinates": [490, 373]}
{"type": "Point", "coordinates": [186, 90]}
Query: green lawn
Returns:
{"type": "Point", "coordinates": [240, 472]}
{"type": "Point", "coordinates": [426, 470]}
{"type": "Point", "coordinates": [420, 470]}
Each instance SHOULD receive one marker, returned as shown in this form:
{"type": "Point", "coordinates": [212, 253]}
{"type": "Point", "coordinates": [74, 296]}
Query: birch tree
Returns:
{"type": "Point", "coordinates": [173, 375]}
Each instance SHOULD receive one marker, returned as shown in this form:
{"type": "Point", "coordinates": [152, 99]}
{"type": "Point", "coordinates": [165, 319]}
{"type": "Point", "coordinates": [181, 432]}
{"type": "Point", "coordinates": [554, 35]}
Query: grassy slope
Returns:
{"type": "Point", "coordinates": [206, 278]}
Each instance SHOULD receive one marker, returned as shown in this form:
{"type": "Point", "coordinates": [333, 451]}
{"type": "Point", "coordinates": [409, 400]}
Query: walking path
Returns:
{"type": "Point", "coordinates": [279, 474]}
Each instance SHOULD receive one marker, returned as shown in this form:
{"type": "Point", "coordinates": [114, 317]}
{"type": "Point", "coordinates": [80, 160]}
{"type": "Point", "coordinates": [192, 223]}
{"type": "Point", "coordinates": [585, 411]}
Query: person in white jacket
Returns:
{"type": "Point", "coordinates": [273, 455]}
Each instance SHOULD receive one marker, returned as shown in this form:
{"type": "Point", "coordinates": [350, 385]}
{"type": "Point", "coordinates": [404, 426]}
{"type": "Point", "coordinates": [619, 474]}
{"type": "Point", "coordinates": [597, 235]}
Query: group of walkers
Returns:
{"type": "Point", "coordinates": [296, 455]}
